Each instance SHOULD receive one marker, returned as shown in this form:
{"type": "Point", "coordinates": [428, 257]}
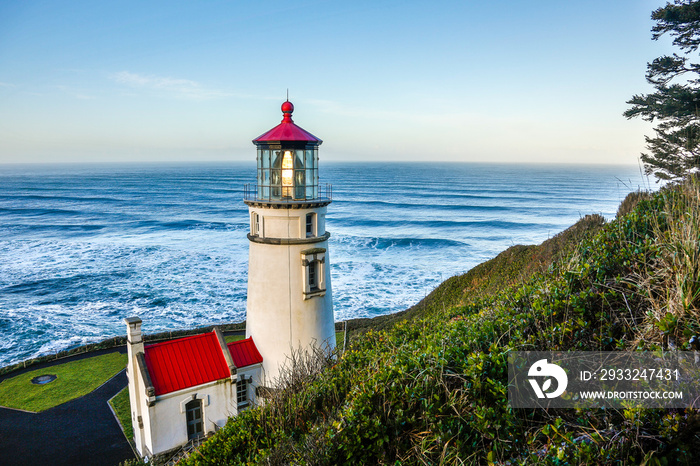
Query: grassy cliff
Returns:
{"type": "Point", "coordinates": [429, 386]}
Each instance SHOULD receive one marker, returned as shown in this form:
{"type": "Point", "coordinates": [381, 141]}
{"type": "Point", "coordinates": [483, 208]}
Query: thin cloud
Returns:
{"type": "Point", "coordinates": [182, 88]}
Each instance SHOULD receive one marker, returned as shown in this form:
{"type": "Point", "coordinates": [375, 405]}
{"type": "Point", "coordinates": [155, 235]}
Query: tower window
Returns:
{"type": "Point", "coordinates": [313, 262]}
{"type": "Point", "coordinates": [255, 224]}
{"type": "Point", "coordinates": [313, 276]}
{"type": "Point", "coordinates": [310, 225]}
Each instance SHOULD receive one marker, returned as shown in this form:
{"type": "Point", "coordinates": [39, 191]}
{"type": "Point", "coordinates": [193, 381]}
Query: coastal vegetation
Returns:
{"type": "Point", "coordinates": [430, 386]}
{"type": "Point", "coordinates": [73, 380]}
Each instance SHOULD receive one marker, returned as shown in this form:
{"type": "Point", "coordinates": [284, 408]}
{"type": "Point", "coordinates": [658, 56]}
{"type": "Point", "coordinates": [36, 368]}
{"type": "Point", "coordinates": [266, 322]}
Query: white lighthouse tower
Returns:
{"type": "Point", "coordinates": [290, 305]}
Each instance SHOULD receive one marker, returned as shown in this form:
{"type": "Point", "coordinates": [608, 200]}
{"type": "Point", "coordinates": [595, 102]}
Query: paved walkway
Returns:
{"type": "Point", "coordinates": [80, 432]}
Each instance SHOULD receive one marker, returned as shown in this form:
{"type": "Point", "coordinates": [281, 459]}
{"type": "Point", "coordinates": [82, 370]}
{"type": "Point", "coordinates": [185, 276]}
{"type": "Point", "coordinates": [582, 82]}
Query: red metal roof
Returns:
{"type": "Point", "coordinates": [244, 353]}
{"type": "Point", "coordinates": [186, 362]}
{"type": "Point", "coordinates": [287, 130]}
{"type": "Point", "coordinates": [177, 364]}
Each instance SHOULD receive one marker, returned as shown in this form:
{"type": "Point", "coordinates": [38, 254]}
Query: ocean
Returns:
{"type": "Point", "coordinates": [84, 246]}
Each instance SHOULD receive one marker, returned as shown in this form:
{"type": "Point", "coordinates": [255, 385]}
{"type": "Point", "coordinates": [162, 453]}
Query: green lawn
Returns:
{"type": "Point", "coordinates": [232, 338]}
{"type": "Point", "coordinates": [339, 339]}
{"type": "Point", "coordinates": [74, 379]}
{"type": "Point", "coordinates": [122, 406]}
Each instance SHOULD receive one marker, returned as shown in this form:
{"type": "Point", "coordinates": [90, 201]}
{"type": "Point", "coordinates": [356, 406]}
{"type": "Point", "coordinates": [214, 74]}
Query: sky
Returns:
{"type": "Point", "coordinates": [473, 81]}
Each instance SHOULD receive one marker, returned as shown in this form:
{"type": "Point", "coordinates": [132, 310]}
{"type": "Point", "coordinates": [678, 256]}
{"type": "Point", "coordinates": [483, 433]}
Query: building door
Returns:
{"type": "Point", "coordinates": [195, 427]}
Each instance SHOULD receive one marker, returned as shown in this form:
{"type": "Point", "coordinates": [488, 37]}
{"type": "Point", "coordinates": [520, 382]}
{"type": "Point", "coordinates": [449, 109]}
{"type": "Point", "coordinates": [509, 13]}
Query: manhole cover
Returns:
{"type": "Point", "coordinates": [43, 379]}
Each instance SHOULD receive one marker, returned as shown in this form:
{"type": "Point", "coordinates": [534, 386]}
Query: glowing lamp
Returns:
{"type": "Point", "coordinates": [287, 174]}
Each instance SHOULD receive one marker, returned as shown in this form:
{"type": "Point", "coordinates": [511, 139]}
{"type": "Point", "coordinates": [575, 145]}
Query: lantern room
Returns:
{"type": "Point", "coordinates": [287, 162]}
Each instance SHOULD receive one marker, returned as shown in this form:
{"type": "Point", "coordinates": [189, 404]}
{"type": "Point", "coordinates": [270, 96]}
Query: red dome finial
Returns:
{"type": "Point", "coordinates": [287, 130]}
{"type": "Point", "coordinates": [287, 109]}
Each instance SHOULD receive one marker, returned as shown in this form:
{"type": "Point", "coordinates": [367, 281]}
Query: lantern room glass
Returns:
{"type": "Point", "coordinates": [287, 174]}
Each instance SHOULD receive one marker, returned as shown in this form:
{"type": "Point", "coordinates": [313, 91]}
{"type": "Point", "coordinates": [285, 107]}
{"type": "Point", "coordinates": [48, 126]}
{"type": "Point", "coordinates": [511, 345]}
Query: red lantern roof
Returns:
{"type": "Point", "coordinates": [287, 130]}
{"type": "Point", "coordinates": [187, 362]}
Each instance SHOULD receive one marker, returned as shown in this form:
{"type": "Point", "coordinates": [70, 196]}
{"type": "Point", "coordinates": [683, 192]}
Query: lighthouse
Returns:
{"type": "Point", "coordinates": [290, 305]}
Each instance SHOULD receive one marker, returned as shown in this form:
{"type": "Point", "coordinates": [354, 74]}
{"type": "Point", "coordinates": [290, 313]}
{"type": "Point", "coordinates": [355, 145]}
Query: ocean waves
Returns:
{"type": "Point", "coordinates": [81, 248]}
{"type": "Point", "coordinates": [441, 225]}
{"type": "Point", "coordinates": [388, 243]}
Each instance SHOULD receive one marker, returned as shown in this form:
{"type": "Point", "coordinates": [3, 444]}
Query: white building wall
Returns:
{"type": "Point", "coordinates": [253, 372]}
{"type": "Point", "coordinates": [146, 418]}
{"type": "Point", "coordinates": [168, 418]}
{"type": "Point", "coordinates": [280, 317]}
{"type": "Point", "coordinates": [136, 395]}
{"type": "Point", "coordinates": [134, 403]}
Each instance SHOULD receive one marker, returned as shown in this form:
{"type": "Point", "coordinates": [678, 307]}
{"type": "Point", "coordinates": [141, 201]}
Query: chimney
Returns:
{"type": "Point", "coordinates": [134, 340]}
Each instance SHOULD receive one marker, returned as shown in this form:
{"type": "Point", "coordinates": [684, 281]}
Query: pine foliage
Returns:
{"type": "Point", "coordinates": [674, 151]}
